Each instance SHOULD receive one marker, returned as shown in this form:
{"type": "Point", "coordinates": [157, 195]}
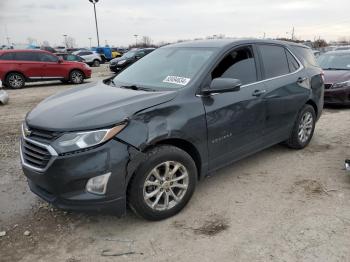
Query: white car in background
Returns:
{"type": "Point", "coordinates": [91, 58]}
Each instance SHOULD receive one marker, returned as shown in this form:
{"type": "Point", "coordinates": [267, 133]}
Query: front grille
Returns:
{"type": "Point", "coordinates": [35, 155]}
{"type": "Point", "coordinates": [43, 135]}
{"type": "Point", "coordinates": [327, 86]}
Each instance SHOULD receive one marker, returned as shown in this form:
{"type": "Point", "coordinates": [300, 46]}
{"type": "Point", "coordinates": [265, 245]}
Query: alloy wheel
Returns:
{"type": "Point", "coordinates": [15, 81]}
{"type": "Point", "coordinates": [76, 77]}
{"type": "Point", "coordinates": [305, 127]}
{"type": "Point", "coordinates": [166, 185]}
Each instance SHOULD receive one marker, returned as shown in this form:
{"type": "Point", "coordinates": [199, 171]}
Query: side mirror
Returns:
{"type": "Point", "coordinates": [60, 60]}
{"type": "Point", "coordinates": [222, 85]}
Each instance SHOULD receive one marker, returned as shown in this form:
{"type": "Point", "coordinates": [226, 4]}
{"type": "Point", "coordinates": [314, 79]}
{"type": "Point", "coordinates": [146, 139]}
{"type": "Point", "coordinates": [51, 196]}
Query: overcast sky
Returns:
{"type": "Point", "coordinates": [165, 20]}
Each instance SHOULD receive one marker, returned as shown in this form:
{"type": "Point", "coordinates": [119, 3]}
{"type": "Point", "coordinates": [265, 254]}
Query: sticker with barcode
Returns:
{"type": "Point", "coordinates": [177, 80]}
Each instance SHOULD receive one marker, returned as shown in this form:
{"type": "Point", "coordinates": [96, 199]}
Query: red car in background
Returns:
{"type": "Point", "coordinates": [20, 66]}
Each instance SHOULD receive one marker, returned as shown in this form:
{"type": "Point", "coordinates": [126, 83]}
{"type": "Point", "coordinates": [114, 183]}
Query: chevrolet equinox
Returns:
{"type": "Point", "coordinates": [145, 137]}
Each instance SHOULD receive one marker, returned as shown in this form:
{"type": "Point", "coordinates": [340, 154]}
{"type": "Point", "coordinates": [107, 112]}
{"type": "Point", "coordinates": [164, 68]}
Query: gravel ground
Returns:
{"type": "Point", "coordinates": [277, 205]}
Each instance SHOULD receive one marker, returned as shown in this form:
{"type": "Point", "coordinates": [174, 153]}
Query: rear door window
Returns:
{"type": "Point", "coordinates": [47, 58]}
{"type": "Point", "coordinates": [26, 56]}
{"type": "Point", "coordinates": [274, 60]}
{"type": "Point", "coordinates": [239, 64]}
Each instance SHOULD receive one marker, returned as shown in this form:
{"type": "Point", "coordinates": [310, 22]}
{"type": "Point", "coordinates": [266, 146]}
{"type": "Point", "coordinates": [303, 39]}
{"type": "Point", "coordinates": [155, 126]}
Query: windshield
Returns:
{"type": "Point", "coordinates": [335, 61]}
{"type": "Point", "coordinates": [165, 68]}
{"type": "Point", "coordinates": [129, 54]}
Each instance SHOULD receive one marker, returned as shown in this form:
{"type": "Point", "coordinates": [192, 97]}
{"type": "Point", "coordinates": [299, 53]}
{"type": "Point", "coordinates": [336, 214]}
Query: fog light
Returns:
{"type": "Point", "coordinates": [98, 184]}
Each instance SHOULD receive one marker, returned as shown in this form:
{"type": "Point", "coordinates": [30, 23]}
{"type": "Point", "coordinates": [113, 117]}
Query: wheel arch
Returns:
{"type": "Point", "coordinates": [313, 104]}
{"type": "Point", "coordinates": [15, 71]}
{"type": "Point", "coordinates": [76, 69]}
{"type": "Point", "coordinates": [186, 146]}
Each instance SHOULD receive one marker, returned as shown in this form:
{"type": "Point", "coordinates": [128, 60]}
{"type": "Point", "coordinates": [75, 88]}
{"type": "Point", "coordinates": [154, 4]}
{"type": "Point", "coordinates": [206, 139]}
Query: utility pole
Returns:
{"type": "Point", "coordinates": [136, 39]}
{"type": "Point", "coordinates": [94, 2]}
{"type": "Point", "coordinates": [293, 33]}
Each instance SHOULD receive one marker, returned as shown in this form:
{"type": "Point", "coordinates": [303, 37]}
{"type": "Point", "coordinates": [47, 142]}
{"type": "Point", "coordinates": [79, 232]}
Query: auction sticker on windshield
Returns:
{"type": "Point", "coordinates": [177, 80]}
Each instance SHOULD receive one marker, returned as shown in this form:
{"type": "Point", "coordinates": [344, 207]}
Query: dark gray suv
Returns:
{"type": "Point", "coordinates": [146, 136]}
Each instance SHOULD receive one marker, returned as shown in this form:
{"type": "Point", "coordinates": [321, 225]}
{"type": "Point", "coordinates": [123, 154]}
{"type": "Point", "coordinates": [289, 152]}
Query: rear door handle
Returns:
{"type": "Point", "coordinates": [258, 92]}
{"type": "Point", "coordinates": [301, 80]}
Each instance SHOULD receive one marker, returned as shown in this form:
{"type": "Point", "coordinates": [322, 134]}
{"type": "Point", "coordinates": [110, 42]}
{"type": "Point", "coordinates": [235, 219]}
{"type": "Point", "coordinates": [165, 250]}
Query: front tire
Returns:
{"type": "Point", "coordinates": [15, 80]}
{"type": "Point", "coordinates": [163, 184]}
{"type": "Point", "coordinates": [303, 129]}
{"type": "Point", "coordinates": [76, 77]}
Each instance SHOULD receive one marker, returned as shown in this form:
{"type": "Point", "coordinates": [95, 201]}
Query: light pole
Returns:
{"type": "Point", "coordinates": [94, 2]}
{"type": "Point", "coordinates": [136, 40]}
{"type": "Point", "coordinates": [65, 40]}
{"type": "Point", "coordinates": [90, 41]}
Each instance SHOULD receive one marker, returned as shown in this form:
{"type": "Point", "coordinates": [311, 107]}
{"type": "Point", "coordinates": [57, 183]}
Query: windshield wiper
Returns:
{"type": "Point", "coordinates": [135, 87]}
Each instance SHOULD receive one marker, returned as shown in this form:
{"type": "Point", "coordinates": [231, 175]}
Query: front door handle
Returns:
{"type": "Point", "coordinates": [258, 92]}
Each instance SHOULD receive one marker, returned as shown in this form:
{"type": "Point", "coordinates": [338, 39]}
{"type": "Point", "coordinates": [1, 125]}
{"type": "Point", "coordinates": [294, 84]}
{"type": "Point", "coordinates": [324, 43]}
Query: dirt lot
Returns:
{"type": "Point", "coordinates": [278, 205]}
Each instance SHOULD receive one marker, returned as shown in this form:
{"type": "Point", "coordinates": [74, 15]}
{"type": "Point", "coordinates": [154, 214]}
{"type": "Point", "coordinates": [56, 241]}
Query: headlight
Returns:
{"type": "Point", "coordinates": [121, 62]}
{"type": "Point", "coordinates": [79, 140]}
{"type": "Point", "coordinates": [341, 84]}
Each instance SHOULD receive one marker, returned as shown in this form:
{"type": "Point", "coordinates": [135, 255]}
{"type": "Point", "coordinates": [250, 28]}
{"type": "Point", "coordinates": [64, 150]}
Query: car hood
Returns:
{"type": "Point", "coordinates": [336, 76]}
{"type": "Point", "coordinates": [92, 106]}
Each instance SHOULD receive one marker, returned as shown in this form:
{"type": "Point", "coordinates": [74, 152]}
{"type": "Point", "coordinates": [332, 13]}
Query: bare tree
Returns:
{"type": "Point", "coordinates": [70, 42]}
{"type": "Point", "coordinates": [320, 43]}
{"type": "Point", "coordinates": [146, 41]}
{"type": "Point", "coordinates": [46, 43]}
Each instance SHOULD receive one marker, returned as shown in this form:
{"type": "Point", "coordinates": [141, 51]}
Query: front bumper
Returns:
{"type": "Point", "coordinates": [115, 68]}
{"type": "Point", "coordinates": [63, 181]}
{"type": "Point", "coordinates": [337, 96]}
{"type": "Point", "coordinates": [88, 73]}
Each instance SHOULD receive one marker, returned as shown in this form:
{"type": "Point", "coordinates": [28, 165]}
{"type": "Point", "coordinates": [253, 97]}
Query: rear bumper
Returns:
{"type": "Point", "coordinates": [340, 96]}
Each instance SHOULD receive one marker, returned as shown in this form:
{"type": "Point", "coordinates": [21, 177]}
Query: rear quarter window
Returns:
{"type": "Point", "coordinates": [305, 55]}
{"type": "Point", "coordinates": [274, 60]}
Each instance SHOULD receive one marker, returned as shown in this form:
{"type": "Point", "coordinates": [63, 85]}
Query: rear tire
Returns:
{"type": "Point", "coordinates": [303, 129]}
{"type": "Point", "coordinates": [96, 63]}
{"type": "Point", "coordinates": [76, 77]}
{"type": "Point", "coordinates": [14, 81]}
{"type": "Point", "coordinates": [168, 173]}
